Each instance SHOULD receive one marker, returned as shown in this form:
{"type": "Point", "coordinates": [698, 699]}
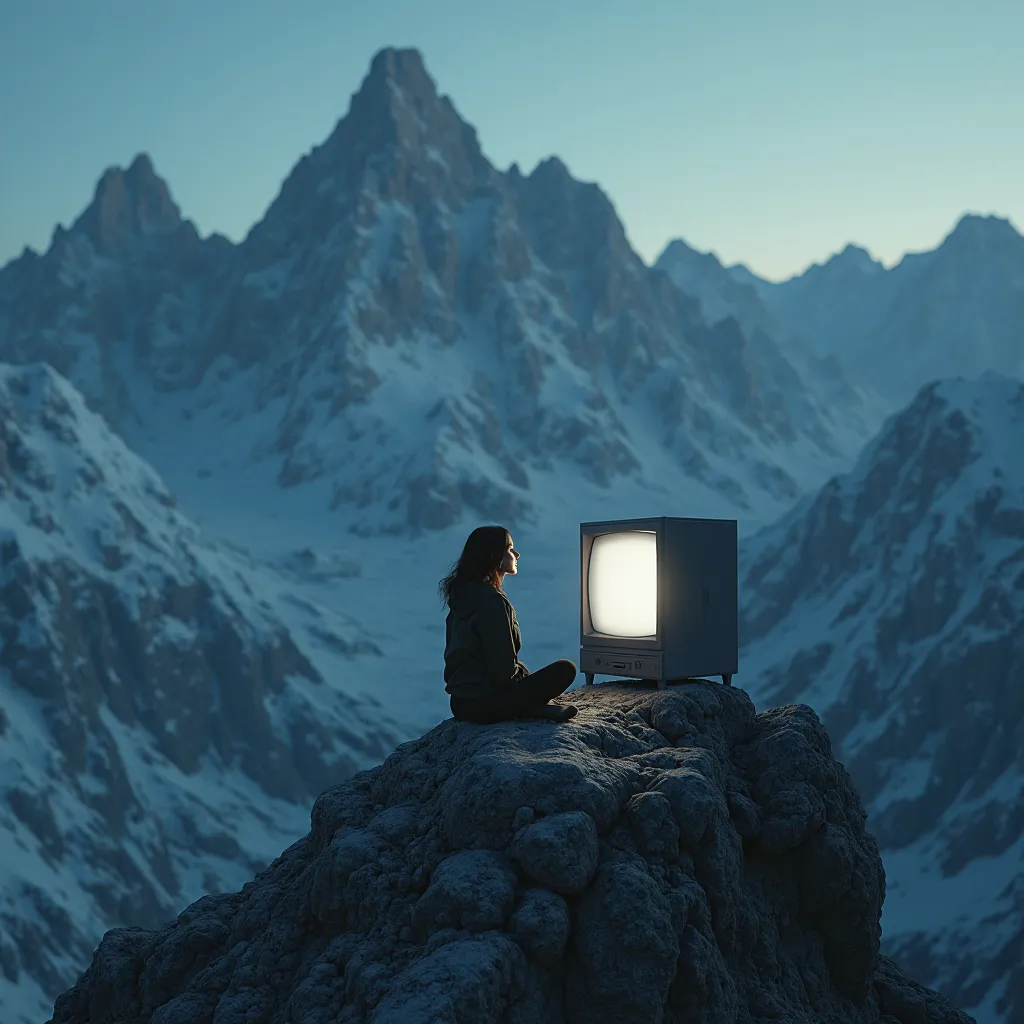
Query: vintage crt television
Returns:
{"type": "Point", "coordinates": [658, 599]}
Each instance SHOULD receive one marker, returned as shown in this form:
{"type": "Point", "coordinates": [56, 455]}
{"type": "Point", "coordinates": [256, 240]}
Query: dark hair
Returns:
{"type": "Point", "coordinates": [480, 560]}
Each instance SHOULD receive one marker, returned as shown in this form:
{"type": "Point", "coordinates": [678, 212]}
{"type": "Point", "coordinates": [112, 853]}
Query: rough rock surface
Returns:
{"type": "Point", "coordinates": [665, 856]}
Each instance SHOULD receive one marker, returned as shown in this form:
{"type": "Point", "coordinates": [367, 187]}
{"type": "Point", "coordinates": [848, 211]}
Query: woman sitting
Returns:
{"type": "Point", "coordinates": [482, 671]}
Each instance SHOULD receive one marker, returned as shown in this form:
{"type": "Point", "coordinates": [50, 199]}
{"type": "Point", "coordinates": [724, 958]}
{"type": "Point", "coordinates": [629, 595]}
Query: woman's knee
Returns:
{"type": "Point", "coordinates": [568, 667]}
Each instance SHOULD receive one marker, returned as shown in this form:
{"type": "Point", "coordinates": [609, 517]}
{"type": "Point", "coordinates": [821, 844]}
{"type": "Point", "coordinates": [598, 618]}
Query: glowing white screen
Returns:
{"type": "Point", "coordinates": [623, 584]}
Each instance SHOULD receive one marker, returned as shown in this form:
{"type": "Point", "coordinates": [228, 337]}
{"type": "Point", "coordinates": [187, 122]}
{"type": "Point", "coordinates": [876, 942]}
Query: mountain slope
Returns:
{"type": "Point", "coordinates": [892, 602]}
{"type": "Point", "coordinates": [160, 730]}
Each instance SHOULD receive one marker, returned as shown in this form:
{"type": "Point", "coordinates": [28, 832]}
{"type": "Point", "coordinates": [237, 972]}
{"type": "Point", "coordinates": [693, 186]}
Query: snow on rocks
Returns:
{"type": "Point", "coordinates": [162, 731]}
{"type": "Point", "coordinates": [666, 856]}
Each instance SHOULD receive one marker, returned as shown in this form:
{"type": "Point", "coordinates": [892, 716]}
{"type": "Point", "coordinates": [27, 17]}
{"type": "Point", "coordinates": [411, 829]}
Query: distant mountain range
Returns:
{"type": "Point", "coordinates": [411, 341]}
{"type": "Point", "coordinates": [955, 311]}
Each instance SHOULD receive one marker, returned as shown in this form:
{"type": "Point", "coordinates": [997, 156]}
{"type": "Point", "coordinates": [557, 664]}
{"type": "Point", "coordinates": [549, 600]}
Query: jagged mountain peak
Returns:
{"type": "Point", "coordinates": [941, 481]}
{"type": "Point", "coordinates": [990, 394]}
{"type": "Point", "coordinates": [398, 112]}
{"type": "Point", "coordinates": [35, 398]}
{"type": "Point", "coordinates": [857, 256]}
{"type": "Point", "coordinates": [551, 169]}
{"type": "Point", "coordinates": [721, 293]}
{"type": "Point", "coordinates": [945, 460]}
{"type": "Point", "coordinates": [851, 259]}
{"type": "Point", "coordinates": [953, 441]}
{"type": "Point", "coordinates": [976, 402]}
{"type": "Point", "coordinates": [552, 175]}
{"type": "Point", "coordinates": [974, 232]}
{"type": "Point", "coordinates": [400, 142]}
{"type": "Point", "coordinates": [979, 223]}
{"type": "Point", "coordinates": [678, 245]}
{"type": "Point", "coordinates": [398, 95]}
{"type": "Point", "coordinates": [399, 70]}
{"type": "Point", "coordinates": [679, 251]}
{"type": "Point", "coordinates": [573, 222]}
{"type": "Point", "coordinates": [128, 205]}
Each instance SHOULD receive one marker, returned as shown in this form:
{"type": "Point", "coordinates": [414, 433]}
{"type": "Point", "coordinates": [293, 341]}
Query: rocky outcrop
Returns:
{"type": "Point", "coordinates": [666, 856]}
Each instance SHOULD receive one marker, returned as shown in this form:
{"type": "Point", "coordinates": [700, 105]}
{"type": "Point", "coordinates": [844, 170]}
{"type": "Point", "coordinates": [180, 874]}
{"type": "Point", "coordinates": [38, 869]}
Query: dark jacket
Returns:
{"type": "Point", "coordinates": [482, 641]}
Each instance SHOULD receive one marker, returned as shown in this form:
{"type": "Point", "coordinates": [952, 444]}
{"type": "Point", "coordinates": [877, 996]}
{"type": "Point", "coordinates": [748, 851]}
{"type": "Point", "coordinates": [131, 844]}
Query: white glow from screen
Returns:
{"type": "Point", "coordinates": [623, 583]}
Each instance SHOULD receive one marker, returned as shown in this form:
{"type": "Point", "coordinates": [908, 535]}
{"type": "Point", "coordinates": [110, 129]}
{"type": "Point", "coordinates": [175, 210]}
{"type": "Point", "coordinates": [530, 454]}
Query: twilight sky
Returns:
{"type": "Point", "coordinates": [772, 133]}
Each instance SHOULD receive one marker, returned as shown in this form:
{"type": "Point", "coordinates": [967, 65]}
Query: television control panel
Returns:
{"type": "Point", "coordinates": [620, 663]}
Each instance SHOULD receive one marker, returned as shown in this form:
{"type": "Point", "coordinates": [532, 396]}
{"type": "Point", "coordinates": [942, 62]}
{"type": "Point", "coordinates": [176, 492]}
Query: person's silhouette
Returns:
{"type": "Point", "coordinates": [482, 671]}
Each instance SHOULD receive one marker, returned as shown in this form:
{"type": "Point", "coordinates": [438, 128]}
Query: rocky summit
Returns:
{"type": "Point", "coordinates": [666, 856]}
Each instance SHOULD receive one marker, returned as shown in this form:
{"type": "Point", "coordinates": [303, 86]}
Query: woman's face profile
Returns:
{"type": "Point", "coordinates": [509, 562]}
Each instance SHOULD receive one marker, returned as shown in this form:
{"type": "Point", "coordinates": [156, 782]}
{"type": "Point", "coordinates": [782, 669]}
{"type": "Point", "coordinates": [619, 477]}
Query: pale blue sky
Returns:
{"type": "Point", "coordinates": [770, 131]}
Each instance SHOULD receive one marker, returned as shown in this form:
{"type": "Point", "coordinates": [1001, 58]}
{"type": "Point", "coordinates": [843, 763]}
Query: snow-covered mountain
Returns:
{"type": "Point", "coordinates": [416, 334]}
{"type": "Point", "coordinates": [161, 732]}
{"type": "Point", "coordinates": [955, 311]}
{"type": "Point", "coordinates": [892, 602]}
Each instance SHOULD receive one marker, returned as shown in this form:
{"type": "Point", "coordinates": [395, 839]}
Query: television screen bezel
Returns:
{"type": "Point", "coordinates": [588, 532]}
